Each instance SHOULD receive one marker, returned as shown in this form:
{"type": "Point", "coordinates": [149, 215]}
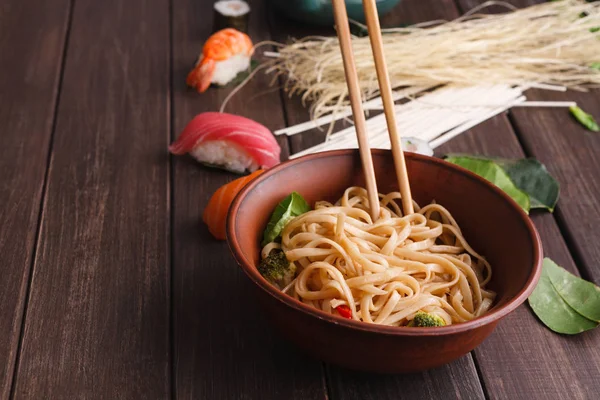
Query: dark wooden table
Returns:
{"type": "Point", "coordinates": [110, 287]}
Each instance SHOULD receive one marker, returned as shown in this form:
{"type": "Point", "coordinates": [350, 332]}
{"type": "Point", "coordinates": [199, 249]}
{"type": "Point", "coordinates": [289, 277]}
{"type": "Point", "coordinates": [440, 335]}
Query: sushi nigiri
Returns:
{"type": "Point", "coordinates": [215, 213]}
{"type": "Point", "coordinates": [228, 141]}
{"type": "Point", "coordinates": [225, 54]}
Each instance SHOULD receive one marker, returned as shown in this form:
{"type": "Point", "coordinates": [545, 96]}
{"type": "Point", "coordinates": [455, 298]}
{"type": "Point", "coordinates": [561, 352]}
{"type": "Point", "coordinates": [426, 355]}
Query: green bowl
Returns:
{"type": "Point", "coordinates": [320, 12]}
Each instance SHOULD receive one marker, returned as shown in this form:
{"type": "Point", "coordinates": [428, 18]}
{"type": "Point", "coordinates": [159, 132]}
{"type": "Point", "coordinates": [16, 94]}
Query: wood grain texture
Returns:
{"type": "Point", "coordinates": [284, 30]}
{"type": "Point", "coordinates": [30, 64]}
{"type": "Point", "coordinates": [454, 381]}
{"type": "Point", "coordinates": [224, 347]}
{"type": "Point", "coordinates": [97, 324]}
{"type": "Point", "coordinates": [571, 154]}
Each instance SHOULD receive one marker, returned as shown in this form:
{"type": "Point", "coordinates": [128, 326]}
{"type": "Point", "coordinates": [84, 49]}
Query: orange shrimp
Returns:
{"type": "Point", "coordinates": [219, 47]}
{"type": "Point", "coordinates": [215, 213]}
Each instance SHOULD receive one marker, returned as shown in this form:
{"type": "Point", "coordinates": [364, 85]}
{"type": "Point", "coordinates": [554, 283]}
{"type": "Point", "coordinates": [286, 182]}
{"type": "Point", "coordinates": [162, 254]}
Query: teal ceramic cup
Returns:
{"type": "Point", "coordinates": [320, 12]}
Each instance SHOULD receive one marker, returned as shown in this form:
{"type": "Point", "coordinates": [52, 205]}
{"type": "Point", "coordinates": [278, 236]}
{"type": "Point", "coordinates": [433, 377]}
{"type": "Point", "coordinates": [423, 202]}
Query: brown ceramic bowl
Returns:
{"type": "Point", "coordinates": [491, 221]}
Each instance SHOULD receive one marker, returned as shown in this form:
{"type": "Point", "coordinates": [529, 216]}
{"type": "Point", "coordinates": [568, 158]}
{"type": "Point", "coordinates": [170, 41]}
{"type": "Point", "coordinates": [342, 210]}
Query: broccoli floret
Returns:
{"type": "Point", "coordinates": [423, 319]}
{"type": "Point", "coordinates": [277, 269]}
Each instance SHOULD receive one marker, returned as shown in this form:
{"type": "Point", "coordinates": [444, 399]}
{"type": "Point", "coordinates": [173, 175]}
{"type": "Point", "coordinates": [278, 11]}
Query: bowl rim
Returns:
{"type": "Point", "coordinates": [493, 316]}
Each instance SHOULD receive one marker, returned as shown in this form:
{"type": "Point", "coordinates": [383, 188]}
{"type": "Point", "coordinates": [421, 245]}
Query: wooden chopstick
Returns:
{"type": "Point", "coordinates": [385, 89]}
{"type": "Point", "coordinates": [343, 33]}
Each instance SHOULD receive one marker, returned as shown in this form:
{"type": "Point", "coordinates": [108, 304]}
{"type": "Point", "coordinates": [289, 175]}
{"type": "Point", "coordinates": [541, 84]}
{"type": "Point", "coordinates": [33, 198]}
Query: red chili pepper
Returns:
{"type": "Point", "coordinates": [344, 311]}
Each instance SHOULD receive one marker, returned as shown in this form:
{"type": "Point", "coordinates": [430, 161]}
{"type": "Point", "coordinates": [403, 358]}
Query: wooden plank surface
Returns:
{"type": "Point", "coordinates": [97, 324]}
{"type": "Point", "coordinates": [224, 347]}
{"type": "Point", "coordinates": [284, 30]}
{"type": "Point", "coordinates": [459, 378]}
{"type": "Point", "coordinates": [30, 63]}
{"type": "Point", "coordinates": [571, 154]}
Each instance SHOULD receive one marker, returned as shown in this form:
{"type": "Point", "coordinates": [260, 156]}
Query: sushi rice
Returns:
{"type": "Point", "coordinates": [225, 154]}
{"type": "Point", "coordinates": [228, 69]}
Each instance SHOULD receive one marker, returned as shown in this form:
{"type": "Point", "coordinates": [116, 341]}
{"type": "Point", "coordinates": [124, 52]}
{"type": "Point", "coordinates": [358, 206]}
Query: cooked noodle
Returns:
{"type": "Point", "coordinates": [387, 271]}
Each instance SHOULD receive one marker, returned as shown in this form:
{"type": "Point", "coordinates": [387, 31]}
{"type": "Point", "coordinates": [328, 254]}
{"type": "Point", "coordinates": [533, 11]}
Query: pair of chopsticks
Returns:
{"type": "Point", "coordinates": [385, 89]}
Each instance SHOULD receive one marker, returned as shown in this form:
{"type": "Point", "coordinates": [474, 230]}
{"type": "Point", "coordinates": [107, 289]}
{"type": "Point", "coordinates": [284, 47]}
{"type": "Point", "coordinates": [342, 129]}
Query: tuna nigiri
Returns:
{"type": "Point", "coordinates": [229, 141]}
{"type": "Point", "coordinates": [225, 54]}
{"type": "Point", "coordinates": [215, 213]}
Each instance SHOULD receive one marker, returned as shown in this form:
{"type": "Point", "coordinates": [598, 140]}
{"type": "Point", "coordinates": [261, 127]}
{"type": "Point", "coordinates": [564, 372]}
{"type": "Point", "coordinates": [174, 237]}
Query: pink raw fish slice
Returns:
{"type": "Point", "coordinates": [255, 139]}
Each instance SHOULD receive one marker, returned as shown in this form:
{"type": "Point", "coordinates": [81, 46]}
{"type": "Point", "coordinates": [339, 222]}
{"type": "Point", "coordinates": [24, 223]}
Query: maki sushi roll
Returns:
{"type": "Point", "coordinates": [231, 14]}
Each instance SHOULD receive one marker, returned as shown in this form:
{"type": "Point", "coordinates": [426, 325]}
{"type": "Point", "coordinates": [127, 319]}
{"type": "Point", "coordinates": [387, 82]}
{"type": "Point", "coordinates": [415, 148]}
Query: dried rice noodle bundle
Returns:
{"type": "Point", "coordinates": [551, 43]}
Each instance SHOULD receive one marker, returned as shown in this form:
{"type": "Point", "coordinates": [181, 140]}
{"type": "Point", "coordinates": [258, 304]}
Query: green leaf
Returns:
{"type": "Point", "coordinates": [553, 310]}
{"type": "Point", "coordinates": [584, 118]}
{"type": "Point", "coordinates": [581, 295]}
{"type": "Point", "coordinates": [289, 208]}
{"type": "Point", "coordinates": [491, 171]}
{"type": "Point", "coordinates": [532, 177]}
{"type": "Point", "coordinates": [595, 66]}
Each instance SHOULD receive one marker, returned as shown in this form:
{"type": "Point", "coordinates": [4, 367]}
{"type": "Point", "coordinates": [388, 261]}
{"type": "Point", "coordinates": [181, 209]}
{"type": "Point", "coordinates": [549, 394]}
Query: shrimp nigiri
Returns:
{"type": "Point", "coordinates": [225, 54]}
{"type": "Point", "coordinates": [215, 213]}
{"type": "Point", "coordinates": [228, 141]}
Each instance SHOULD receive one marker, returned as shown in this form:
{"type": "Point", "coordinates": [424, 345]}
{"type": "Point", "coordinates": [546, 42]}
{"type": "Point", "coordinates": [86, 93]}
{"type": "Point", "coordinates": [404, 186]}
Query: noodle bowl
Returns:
{"type": "Point", "coordinates": [493, 224]}
{"type": "Point", "coordinates": [384, 272]}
